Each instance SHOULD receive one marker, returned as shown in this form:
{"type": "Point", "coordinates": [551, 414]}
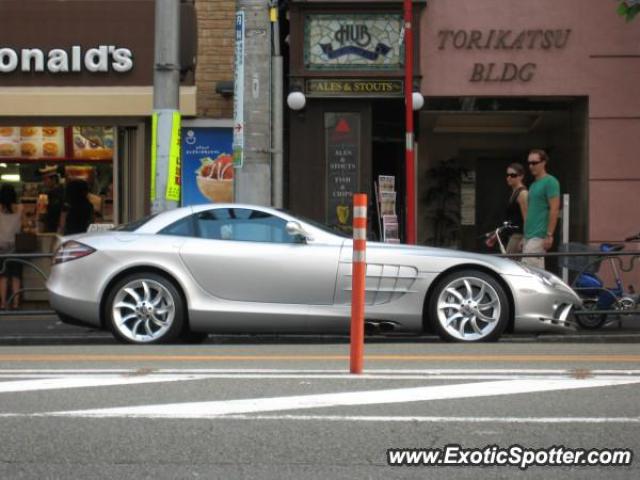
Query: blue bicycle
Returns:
{"type": "Point", "coordinates": [590, 287]}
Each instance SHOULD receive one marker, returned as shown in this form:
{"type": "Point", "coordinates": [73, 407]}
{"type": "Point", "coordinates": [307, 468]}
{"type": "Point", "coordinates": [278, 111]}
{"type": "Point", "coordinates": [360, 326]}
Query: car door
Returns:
{"type": "Point", "coordinates": [246, 255]}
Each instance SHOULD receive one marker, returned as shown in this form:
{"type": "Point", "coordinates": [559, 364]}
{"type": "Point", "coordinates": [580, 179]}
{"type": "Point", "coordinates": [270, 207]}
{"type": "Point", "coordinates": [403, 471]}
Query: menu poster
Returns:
{"type": "Point", "coordinates": [93, 143]}
{"type": "Point", "coordinates": [9, 142]}
{"type": "Point", "coordinates": [387, 203]}
{"type": "Point", "coordinates": [391, 232]}
{"type": "Point", "coordinates": [387, 183]}
{"type": "Point", "coordinates": [32, 142]}
{"type": "Point", "coordinates": [342, 137]}
{"type": "Point", "coordinates": [468, 198]}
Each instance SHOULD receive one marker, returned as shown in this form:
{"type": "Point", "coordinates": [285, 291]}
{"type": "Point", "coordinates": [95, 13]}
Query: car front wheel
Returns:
{"type": "Point", "coordinates": [469, 306]}
{"type": "Point", "coordinates": [145, 308]}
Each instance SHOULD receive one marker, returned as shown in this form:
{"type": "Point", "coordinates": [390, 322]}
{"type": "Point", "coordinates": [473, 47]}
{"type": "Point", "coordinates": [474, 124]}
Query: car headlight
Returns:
{"type": "Point", "coordinates": [546, 278]}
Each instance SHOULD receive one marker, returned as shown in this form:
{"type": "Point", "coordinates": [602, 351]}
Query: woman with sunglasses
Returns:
{"type": "Point", "coordinates": [517, 206]}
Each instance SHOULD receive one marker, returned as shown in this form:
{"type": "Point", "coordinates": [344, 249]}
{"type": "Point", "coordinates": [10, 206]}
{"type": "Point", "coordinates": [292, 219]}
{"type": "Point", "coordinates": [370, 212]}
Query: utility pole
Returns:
{"type": "Point", "coordinates": [253, 177]}
{"type": "Point", "coordinates": [165, 167]}
{"type": "Point", "coordinates": [277, 133]}
{"type": "Point", "coordinates": [408, 96]}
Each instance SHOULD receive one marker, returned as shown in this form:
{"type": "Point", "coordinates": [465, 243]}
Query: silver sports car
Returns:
{"type": "Point", "coordinates": [230, 268]}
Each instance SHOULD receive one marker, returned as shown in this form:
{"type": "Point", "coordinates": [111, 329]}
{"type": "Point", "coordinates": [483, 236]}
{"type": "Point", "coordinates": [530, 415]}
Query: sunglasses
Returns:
{"type": "Point", "coordinates": [535, 163]}
{"type": "Point", "coordinates": [512, 175]}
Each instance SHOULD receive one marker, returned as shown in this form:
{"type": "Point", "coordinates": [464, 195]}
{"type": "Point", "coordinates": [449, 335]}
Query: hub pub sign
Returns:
{"type": "Point", "coordinates": [353, 42]}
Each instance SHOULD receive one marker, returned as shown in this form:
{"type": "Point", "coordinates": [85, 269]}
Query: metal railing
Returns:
{"type": "Point", "coordinates": [25, 259]}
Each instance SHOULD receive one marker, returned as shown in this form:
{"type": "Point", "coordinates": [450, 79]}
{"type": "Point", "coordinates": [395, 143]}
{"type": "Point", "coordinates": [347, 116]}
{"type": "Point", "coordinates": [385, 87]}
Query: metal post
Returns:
{"type": "Point", "coordinates": [166, 89]}
{"type": "Point", "coordinates": [565, 230]}
{"type": "Point", "coordinates": [276, 111]}
{"type": "Point", "coordinates": [408, 100]}
{"type": "Point", "coordinates": [358, 281]}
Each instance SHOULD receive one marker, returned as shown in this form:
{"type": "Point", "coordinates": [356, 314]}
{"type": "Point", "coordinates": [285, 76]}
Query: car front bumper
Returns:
{"type": "Point", "coordinates": [540, 307]}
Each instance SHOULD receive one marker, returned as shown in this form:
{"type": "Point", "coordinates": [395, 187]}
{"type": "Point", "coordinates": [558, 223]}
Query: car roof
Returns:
{"type": "Point", "coordinates": [168, 217]}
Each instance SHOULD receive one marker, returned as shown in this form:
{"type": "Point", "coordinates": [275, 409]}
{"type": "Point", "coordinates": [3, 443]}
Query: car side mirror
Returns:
{"type": "Point", "coordinates": [295, 230]}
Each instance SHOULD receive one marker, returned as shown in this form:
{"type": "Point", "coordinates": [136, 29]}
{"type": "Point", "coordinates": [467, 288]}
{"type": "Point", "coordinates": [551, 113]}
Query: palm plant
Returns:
{"type": "Point", "coordinates": [442, 199]}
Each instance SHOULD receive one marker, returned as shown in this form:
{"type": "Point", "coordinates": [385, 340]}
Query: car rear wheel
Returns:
{"type": "Point", "coordinates": [145, 308]}
{"type": "Point", "coordinates": [469, 306]}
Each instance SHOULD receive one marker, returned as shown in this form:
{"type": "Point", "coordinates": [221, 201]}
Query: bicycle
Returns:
{"type": "Point", "coordinates": [495, 234]}
{"type": "Point", "coordinates": [590, 287]}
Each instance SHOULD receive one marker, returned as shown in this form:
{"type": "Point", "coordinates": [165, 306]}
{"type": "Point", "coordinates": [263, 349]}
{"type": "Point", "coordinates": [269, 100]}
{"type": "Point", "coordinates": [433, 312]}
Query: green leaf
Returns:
{"type": "Point", "coordinates": [622, 9]}
{"type": "Point", "coordinates": [632, 12]}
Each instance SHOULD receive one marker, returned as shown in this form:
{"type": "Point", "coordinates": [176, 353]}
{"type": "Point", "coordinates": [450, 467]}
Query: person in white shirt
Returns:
{"type": "Point", "coordinates": [10, 224]}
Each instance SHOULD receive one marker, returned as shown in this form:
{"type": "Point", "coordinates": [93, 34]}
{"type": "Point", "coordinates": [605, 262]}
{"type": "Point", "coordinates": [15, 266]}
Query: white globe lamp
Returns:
{"type": "Point", "coordinates": [296, 100]}
{"type": "Point", "coordinates": [418, 100]}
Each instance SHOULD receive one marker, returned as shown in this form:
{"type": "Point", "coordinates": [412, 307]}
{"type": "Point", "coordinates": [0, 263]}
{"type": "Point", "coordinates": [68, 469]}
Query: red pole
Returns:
{"type": "Point", "coordinates": [358, 280]}
{"type": "Point", "coordinates": [408, 101]}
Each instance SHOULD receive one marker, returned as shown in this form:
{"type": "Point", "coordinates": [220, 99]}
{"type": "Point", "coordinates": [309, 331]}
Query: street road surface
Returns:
{"type": "Point", "coordinates": [292, 411]}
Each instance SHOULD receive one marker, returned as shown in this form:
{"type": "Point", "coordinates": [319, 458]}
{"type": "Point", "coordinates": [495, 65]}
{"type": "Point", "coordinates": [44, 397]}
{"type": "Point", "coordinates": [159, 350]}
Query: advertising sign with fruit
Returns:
{"type": "Point", "coordinates": [207, 165]}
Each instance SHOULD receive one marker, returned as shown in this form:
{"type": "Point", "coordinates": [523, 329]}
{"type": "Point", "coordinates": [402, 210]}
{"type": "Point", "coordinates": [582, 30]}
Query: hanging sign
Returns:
{"type": "Point", "coordinates": [174, 179]}
{"type": "Point", "coordinates": [238, 94]}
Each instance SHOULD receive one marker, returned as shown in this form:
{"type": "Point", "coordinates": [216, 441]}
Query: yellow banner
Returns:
{"type": "Point", "coordinates": [154, 154]}
{"type": "Point", "coordinates": [174, 175]}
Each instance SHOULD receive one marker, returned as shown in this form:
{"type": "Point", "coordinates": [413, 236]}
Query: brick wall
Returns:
{"type": "Point", "coordinates": [215, 56]}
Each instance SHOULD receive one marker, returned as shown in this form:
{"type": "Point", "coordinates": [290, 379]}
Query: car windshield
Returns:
{"type": "Point", "coordinates": [318, 225]}
{"type": "Point", "coordinates": [136, 224]}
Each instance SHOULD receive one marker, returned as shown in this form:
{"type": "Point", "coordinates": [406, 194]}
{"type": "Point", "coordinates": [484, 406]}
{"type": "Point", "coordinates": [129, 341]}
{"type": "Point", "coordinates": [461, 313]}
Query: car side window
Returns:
{"type": "Point", "coordinates": [182, 228]}
{"type": "Point", "coordinates": [243, 225]}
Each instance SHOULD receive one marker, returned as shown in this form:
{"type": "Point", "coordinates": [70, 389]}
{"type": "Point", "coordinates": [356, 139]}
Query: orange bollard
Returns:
{"type": "Point", "coordinates": [358, 280]}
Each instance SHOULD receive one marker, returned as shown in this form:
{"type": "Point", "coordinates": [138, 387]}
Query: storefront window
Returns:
{"type": "Point", "coordinates": [40, 160]}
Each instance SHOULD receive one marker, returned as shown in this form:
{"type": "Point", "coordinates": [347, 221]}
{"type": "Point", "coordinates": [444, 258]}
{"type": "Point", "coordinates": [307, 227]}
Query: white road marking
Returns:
{"type": "Point", "coordinates": [391, 418]}
{"type": "Point", "coordinates": [89, 381]}
{"type": "Point", "coordinates": [420, 419]}
{"type": "Point", "coordinates": [371, 397]}
{"type": "Point", "coordinates": [267, 376]}
{"type": "Point", "coordinates": [430, 371]}
{"type": "Point", "coordinates": [384, 374]}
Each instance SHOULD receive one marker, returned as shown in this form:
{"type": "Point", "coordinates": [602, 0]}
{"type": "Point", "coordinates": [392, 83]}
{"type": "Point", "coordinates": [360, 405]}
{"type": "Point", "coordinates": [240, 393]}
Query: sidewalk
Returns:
{"type": "Point", "coordinates": [48, 329]}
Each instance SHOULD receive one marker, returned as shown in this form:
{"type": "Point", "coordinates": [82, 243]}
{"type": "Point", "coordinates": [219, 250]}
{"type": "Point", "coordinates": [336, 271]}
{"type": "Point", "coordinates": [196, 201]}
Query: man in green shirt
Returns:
{"type": "Point", "coordinates": [543, 209]}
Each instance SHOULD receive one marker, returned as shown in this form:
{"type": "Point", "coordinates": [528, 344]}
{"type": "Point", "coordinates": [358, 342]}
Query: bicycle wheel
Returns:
{"type": "Point", "coordinates": [592, 321]}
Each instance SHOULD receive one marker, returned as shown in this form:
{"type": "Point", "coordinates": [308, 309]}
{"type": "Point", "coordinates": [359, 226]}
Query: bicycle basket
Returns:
{"type": "Point", "coordinates": [579, 263]}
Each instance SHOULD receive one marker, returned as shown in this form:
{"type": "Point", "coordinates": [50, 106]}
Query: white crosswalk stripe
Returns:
{"type": "Point", "coordinates": [369, 397]}
{"type": "Point", "coordinates": [469, 384]}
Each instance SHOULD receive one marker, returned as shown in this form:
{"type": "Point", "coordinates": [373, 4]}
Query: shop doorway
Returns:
{"type": "Point", "coordinates": [466, 145]}
{"type": "Point", "coordinates": [388, 158]}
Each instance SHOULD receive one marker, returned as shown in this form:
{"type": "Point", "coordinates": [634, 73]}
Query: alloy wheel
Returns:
{"type": "Point", "coordinates": [468, 308]}
{"type": "Point", "coordinates": [143, 310]}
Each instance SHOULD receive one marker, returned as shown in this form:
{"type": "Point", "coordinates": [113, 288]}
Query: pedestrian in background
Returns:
{"type": "Point", "coordinates": [55, 197]}
{"type": "Point", "coordinates": [516, 212]}
{"type": "Point", "coordinates": [543, 208]}
{"type": "Point", "coordinates": [77, 213]}
{"type": "Point", "coordinates": [10, 225]}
